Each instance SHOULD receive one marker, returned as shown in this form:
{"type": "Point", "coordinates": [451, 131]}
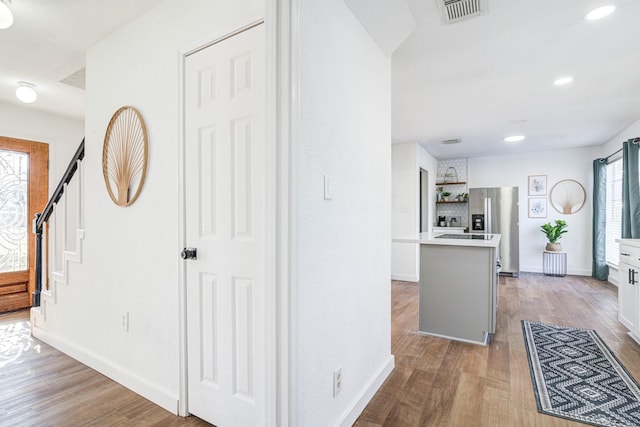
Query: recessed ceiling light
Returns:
{"type": "Point", "coordinates": [514, 138]}
{"type": "Point", "coordinates": [563, 81]}
{"type": "Point", "coordinates": [6, 17]}
{"type": "Point", "coordinates": [600, 12]}
{"type": "Point", "coordinates": [26, 92]}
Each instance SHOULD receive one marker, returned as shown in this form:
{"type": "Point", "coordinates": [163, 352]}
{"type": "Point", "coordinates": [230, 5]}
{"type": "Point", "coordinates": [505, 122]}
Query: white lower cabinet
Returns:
{"type": "Point", "coordinates": [627, 298]}
{"type": "Point", "coordinates": [628, 286]}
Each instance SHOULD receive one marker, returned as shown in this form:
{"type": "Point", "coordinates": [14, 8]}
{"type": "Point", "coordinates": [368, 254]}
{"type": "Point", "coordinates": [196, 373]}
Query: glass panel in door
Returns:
{"type": "Point", "coordinates": [14, 185]}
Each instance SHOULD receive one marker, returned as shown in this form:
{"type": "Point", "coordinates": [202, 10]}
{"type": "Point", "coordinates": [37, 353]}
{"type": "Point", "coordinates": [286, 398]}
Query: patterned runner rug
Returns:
{"type": "Point", "coordinates": [575, 376]}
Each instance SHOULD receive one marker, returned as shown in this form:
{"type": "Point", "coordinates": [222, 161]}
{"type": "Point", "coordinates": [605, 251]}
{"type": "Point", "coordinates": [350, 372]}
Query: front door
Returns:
{"type": "Point", "coordinates": [225, 220]}
{"type": "Point", "coordinates": [23, 193]}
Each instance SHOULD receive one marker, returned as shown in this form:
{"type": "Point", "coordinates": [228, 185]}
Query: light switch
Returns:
{"type": "Point", "coordinates": [328, 187]}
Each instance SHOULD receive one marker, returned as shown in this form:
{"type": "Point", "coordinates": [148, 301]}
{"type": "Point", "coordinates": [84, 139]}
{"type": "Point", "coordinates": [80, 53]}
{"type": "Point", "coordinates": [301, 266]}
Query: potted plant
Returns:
{"type": "Point", "coordinates": [554, 233]}
{"type": "Point", "coordinates": [439, 191]}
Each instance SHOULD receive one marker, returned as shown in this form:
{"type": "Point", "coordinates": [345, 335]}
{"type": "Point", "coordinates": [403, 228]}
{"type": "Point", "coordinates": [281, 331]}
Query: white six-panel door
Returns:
{"type": "Point", "coordinates": [225, 221]}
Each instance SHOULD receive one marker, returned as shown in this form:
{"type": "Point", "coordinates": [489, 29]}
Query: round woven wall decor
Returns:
{"type": "Point", "coordinates": [568, 196]}
{"type": "Point", "coordinates": [124, 156]}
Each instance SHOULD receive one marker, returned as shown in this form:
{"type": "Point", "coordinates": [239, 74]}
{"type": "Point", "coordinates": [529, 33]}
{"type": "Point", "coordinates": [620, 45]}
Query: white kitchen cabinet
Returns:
{"type": "Point", "coordinates": [627, 297]}
{"type": "Point", "coordinates": [628, 286]}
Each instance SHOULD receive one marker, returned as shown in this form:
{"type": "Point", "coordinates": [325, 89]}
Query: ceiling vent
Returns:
{"type": "Point", "coordinates": [458, 10]}
{"type": "Point", "coordinates": [451, 141]}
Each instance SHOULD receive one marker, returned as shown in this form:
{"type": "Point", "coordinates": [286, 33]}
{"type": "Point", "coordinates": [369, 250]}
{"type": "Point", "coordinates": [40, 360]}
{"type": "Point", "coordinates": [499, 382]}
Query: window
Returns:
{"type": "Point", "coordinates": [614, 210]}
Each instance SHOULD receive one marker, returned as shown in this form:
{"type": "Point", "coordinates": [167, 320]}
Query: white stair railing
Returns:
{"type": "Point", "coordinates": [59, 233]}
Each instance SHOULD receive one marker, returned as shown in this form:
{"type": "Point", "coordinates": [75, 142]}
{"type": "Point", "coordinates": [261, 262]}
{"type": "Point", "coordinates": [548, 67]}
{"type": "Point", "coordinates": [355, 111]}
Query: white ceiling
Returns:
{"type": "Point", "coordinates": [48, 41]}
{"type": "Point", "coordinates": [491, 76]}
{"type": "Point", "coordinates": [478, 80]}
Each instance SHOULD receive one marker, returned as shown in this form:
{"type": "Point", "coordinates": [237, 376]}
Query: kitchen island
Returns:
{"type": "Point", "coordinates": [458, 286]}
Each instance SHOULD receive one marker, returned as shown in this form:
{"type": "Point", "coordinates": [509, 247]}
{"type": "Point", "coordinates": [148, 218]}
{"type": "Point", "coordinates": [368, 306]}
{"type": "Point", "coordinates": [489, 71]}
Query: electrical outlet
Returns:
{"type": "Point", "coordinates": [124, 322]}
{"type": "Point", "coordinates": [337, 381]}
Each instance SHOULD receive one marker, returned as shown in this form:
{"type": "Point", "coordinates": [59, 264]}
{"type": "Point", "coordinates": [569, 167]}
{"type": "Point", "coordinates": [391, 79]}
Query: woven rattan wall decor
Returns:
{"type": "Point", "coordinates": [568, 196]}
{"type": "Point", "coordinates": [125, 155]}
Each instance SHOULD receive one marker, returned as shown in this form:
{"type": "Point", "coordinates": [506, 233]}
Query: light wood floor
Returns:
{"type": "Point", "coordinates": [438, 382]}
{"type": "Point", "coordinates": [40, 386]}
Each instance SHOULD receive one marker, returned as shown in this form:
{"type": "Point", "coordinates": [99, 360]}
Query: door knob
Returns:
{"type": "Point", "coordinates": [189, 253]}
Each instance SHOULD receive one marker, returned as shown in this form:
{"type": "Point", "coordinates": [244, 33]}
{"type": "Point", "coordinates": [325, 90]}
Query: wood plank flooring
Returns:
{"type": "Point", "coordinates": [438, 382]}
{"type": "Point", "coordinates": [40, 386]}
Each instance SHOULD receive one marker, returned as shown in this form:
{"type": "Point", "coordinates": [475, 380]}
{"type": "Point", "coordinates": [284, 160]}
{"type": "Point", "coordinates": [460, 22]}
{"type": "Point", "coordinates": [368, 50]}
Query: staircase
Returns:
{"type": "Point", "coordinates": [59, 231]}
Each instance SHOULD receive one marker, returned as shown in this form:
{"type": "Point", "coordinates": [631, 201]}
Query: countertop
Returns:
{"type": "Point", "coordinates": [430, 239]}
{"type": "Point", "coordinates": [629, 242]}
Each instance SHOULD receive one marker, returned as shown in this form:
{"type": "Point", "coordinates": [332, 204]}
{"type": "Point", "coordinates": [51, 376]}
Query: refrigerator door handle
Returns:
{"type": "Point", "coordinates": [487, 215]}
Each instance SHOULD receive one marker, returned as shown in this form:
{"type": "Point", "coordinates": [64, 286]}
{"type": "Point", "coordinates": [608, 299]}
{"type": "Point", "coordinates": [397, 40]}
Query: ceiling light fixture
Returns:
{"type": "Point", "coordinates": [6, 17]}
{"type": "Point", "coordinates": [514, 138]}
{"type": "Point", "coordinates": [563, 81]}
{"type": "Point", "coordinates": [26, 92]}
{"type": "Point", "coordinates": [600, 12]}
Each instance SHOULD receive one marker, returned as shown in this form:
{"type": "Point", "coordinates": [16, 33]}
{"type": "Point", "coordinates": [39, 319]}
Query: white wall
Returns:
{"type": "Point", "coordinates": [429, 163]}
{"type": "Point", "coordinates": [130, 261]}
{"type": "Point", "coordinates": [343, 245]}
{"type": "Point", "coordinates": [404, 211]}
{"type": "Point", "coordinates": [404, 190]}
{"type": "Point", "coordinates": [407, 159]}
{"type": "Point", "coordinates": [615, 143]}
{"type": "Point", "coordinates": [388, 22]}
{"type": "Point", "coordinates": [61, 133]}
{"type": "Point", "coordinates": [513, 170]}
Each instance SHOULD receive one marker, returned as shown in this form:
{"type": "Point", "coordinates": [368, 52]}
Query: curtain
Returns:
{"type": "Point", "coordinates": [630, 190]}
{"type": "Point", "coordinates": [599, 269]}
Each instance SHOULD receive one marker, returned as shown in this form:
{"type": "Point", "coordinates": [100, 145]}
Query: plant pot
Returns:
{"type": "Point", "coordinates": [553, 247]}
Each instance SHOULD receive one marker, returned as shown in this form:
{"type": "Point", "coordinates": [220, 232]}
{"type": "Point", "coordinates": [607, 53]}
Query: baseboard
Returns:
{"type": "Point", "coordinates": [351, 414]}
{"type": "Point", "coordinates": [405, 277]}
{"type": "Point", "coordinates": [571, 272]}
{"type": "Point", "coordinates": [133, 382]}
{"type": "Point", "coordinates": [614, 275]}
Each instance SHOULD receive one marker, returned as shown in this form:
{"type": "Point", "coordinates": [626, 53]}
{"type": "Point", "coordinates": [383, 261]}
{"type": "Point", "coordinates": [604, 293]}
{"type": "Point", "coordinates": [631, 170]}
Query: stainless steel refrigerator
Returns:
{"type": "Point", "coordinates": [495, 210]}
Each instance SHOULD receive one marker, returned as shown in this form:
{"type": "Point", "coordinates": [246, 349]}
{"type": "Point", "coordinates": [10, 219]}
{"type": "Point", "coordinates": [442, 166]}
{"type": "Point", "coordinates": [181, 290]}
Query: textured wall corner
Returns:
{"type": "Point", "coordinates": [388, 22]}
